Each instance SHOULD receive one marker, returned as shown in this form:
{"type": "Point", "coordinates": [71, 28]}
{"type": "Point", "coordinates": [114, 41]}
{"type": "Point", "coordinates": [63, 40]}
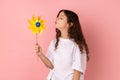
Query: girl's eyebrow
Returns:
{"type": "Point", "coordinates": [61, 15]}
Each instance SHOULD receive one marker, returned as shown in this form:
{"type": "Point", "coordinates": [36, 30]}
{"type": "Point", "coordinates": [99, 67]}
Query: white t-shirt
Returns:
{"type": "Point", "coordinates": [65, 59]}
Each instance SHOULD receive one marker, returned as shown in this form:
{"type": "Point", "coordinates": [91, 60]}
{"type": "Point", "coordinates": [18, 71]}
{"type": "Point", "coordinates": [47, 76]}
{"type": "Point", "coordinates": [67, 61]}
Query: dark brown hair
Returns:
{"type": "Point", "coordinates": [74, 32]}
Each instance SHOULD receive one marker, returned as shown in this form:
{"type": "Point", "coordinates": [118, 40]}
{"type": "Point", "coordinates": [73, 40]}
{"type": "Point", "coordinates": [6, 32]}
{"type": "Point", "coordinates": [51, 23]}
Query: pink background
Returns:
{"type": "Point", "coordinates": [100, 23]}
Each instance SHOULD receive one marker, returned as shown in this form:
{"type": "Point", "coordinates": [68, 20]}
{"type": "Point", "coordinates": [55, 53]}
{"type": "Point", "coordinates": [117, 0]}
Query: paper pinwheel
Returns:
{"type": "Point", "coordinates": [37, 25]}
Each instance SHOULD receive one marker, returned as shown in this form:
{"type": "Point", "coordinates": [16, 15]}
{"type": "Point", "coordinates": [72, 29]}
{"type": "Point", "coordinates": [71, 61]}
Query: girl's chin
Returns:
{"type": "Point", "coordinates": [57, 27]}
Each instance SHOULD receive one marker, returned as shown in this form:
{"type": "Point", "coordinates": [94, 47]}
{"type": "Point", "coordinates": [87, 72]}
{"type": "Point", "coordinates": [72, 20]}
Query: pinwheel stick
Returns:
{"type": "Point", "coordinates": [37, 44]}
{"type": "Point", "coordinates": [36, 38]}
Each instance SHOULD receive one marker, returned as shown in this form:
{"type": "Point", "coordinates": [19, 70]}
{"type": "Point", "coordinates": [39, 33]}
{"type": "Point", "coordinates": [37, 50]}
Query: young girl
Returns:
{"type": "Point", "coordinates": [67, 55]}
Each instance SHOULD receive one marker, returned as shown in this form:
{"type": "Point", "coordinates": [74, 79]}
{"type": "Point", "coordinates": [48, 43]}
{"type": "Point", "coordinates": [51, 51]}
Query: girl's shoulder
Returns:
{"type": "Point", "coordinates": [52, 42]}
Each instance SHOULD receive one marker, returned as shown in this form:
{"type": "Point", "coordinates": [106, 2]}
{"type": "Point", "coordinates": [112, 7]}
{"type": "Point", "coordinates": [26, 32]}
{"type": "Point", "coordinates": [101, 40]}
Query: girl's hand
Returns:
{"type": "Point", "coordinates": [38, 49]}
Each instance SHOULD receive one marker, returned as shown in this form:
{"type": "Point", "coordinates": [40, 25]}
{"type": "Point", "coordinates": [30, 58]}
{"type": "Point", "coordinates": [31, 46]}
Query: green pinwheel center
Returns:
{"type": "Point", "coordinates": [38, 24]}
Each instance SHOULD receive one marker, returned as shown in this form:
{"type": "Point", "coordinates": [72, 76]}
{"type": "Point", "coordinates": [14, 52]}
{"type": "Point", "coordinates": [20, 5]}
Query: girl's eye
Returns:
{"type": "Point", "coordinates": [61, 18]}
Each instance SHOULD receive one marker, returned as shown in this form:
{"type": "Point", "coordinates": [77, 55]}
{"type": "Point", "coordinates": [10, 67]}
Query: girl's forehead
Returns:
{"type": "Point", "coordinates": [62, 14]}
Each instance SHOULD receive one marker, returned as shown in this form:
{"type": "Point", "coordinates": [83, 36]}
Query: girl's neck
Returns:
{"type": "Point", "coordinates": [65, 37]}
{"type": "Point", "coordinates": [64, 34]}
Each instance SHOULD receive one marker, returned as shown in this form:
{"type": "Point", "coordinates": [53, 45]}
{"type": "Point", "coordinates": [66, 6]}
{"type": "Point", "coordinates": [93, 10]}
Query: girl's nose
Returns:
{"type": "Point", "coordinates": [56, 21]}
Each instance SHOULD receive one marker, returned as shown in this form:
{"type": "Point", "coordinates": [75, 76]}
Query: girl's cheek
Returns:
{"type": "Point", "coordinates": [59, 22]}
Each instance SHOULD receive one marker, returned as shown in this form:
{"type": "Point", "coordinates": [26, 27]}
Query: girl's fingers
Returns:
{"type": "Point", "coordinates": [37, 44]}
{"type": "Point", "coordinates": [37, 48]}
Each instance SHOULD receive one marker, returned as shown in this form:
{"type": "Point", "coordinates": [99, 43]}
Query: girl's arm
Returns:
{"type": "Point", "coordinates": [46, 61]}
{"type": "Point", "coordinates": [43, 58]}
{"type": "Point", "coordinates": [76, 75]}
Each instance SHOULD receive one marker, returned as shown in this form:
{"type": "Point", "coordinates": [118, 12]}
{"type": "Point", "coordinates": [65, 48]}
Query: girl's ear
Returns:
{"type": "Point", "coordinates": [71, 24]}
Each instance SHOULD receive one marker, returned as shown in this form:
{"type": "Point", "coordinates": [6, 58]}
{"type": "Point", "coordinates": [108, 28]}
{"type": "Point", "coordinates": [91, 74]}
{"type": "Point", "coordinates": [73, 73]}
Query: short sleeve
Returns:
{"type": "Point", "coordinates": [49, 53]}
{"type": "Point", "coordinates": [77, 60]}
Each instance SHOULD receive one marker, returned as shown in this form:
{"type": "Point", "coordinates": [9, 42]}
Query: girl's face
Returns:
{"type": "Point", "coordinates": [61, 21]}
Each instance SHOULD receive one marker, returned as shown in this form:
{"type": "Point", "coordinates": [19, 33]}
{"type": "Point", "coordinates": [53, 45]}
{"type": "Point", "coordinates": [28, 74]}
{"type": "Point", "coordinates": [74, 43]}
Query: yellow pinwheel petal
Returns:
{"type": "Point", "coordinates": [43, 28]}
{"type": "Point", "coordinates": [31, 22]}
{"type": "Point", "coordinates": [42, 21]}
{"type": "Point", "coordinates": [34, 18]}
{"type": "Point", "coordinates": [34, 32]}
{"type": "Point", "coordinates": [41, 31]}
{"type": "Point", "coordinates": [36, 25]}
{"type": "Point", "coordinates": [39, 18]}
